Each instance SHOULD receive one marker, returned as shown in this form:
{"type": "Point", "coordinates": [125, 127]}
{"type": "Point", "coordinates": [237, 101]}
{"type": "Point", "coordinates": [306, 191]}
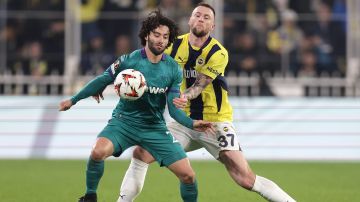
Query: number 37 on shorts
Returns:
{"type": "Point", "coordinates": [227, 138]}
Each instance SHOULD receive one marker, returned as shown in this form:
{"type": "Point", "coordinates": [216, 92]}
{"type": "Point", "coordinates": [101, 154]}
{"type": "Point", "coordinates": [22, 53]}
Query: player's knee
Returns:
{"type": "Point", "coordinates": [246, 182]}
{"type": "Point", "coordinates": [143, 155]}
{"type": "Point", "coordinates": [98, 154]}
{"type": "Point", "coordinates": [188, 178]}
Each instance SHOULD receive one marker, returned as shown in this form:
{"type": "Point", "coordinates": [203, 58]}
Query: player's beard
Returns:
{"type": "Point", "coordinates": [198, 33]}
{"type": "Point", "coordinates": [153, 49]}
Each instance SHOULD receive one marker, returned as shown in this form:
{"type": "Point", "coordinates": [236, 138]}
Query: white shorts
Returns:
{"type": "Point", "coordinates": [190, 140]}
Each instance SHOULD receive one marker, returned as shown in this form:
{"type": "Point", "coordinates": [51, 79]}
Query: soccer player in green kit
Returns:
{"type": "Point", "coordinates": [141, 122]}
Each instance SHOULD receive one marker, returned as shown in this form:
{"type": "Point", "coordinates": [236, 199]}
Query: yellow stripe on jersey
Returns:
{"type": "Point", "coordinates": [211, 59]}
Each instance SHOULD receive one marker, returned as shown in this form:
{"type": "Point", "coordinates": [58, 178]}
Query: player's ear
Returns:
{"type": "Point", "coordinates": [212, 27]}
{"type": "Point", "coordinates": [189, 20]}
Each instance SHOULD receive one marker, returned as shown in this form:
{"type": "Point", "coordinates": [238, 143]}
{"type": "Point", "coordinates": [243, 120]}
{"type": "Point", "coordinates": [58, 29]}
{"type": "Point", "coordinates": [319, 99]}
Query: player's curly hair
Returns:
{"type": "Point", "coordinates": [153, 21]}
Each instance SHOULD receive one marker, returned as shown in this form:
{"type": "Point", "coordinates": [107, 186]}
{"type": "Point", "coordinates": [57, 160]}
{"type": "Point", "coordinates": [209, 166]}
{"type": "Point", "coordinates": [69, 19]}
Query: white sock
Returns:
{"type": "Point", "coordinates": [270, 191]}
{"type": "Point", "coordinates": [133, 181]}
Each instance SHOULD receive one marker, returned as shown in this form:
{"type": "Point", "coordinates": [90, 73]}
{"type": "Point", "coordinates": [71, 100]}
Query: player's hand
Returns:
{"type": "Point", "coordinates": [65, 105]}
{"type": "Point", "coordinates": [180, 102]}
{"type": "Point", "coordinates": [98, 96]}
{"type": "Point", "coordinates": [204, 126]}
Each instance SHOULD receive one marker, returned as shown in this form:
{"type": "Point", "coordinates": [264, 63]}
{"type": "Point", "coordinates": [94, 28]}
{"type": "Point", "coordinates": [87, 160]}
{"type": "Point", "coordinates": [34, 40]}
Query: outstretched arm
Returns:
{"type": "Point", "coordinates": [91, 88]}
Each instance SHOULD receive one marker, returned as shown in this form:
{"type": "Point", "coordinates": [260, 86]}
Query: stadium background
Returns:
{"type": "Point", "coordinates": [294, 77]}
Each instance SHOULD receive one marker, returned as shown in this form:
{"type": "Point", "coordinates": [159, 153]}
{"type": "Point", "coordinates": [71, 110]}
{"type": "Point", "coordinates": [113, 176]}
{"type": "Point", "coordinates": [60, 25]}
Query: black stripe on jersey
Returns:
{"type": "Point", "coordinates": [197, 104]}
{"type": "Point", "coordinates": [219, 83]}
{"type": "Point", "coordinates": [222, 82]}
{"type": "Point", "coordinates": [175, 48]}
{"type": "Point", "coordinates": [213, 50]}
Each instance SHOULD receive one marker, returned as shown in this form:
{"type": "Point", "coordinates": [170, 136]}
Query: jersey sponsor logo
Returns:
{"type": "Point", "coordinates": [190, 73]}
{"type": "Point", "coordinates": [214, 71]}
{"type": "Point", "coordinates": [156, 90]}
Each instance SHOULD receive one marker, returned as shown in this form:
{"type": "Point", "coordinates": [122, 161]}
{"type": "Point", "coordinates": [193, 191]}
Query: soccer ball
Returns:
{"type": "Point", "coordinates": [130, 84]}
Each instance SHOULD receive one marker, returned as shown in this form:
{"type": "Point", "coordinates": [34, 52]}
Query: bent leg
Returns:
{"type": "Point", "coordinates": [134, 178]}
{"type": "Point", "coordinates": [238, 168]}
{"type": "Point", "coordinates": [102, 149]}
{"type": "Point", "coordinates": [186, 175]}
{"type": "Point", "coordinates": [240, 171]}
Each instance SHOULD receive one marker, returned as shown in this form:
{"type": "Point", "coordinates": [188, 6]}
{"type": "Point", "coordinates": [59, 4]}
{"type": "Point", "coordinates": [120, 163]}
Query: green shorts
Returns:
{"type": "Point", "coordinates": [158, 142]}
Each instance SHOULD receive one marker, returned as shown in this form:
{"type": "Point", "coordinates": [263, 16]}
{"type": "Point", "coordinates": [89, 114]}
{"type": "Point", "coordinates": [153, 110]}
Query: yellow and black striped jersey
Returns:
{"type": "Point", "coordinates": [211, 59]}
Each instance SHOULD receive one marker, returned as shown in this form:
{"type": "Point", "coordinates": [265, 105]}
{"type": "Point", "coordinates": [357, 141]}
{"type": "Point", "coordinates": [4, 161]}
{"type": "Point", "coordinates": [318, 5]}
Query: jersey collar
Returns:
{"type": "Point", "coordinates": [143, 54]}
{"type": "Point", "coordinates": [204, 45]}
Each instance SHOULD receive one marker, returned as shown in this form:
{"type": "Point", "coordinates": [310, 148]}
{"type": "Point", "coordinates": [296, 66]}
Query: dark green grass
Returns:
{"type": "Point", "coordinates": [64, 181]}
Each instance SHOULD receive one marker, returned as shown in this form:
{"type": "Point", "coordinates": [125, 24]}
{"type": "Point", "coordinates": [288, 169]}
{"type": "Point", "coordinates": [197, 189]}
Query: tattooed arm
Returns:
{"type": "Point", "coordinates": [200, 83]}
{"type": "Point", "coordinates": [193, 91]}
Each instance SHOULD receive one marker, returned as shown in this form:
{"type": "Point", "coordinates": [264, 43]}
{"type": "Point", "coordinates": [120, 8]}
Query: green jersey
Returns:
{"type": "Point", "coordinates": [163, 84]}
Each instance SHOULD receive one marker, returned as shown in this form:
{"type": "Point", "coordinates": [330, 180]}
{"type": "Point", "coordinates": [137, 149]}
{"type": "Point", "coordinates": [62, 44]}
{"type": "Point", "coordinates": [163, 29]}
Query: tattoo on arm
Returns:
{"type": "Point", "coordinates": [200, 83]}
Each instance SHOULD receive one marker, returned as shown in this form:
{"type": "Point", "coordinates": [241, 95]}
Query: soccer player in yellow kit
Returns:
{"type": "Point", "coordinates": [203, 60]}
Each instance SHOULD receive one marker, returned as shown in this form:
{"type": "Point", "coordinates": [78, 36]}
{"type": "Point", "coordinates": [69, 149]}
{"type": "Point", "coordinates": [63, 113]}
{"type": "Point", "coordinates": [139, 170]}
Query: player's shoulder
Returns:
{"type": "Point", "coordinates": [178, 41]}
{"type": "Point", "coordinates": [216, 53]}
{"type": "Point", "coordinates": [182, 39]}
{"type": "Point", "coordinates": [183, 36]}
{"type": "Point", "coordinates": [170, 61]}
{"type": "Point", "coordinates": [215, 42]}
{"type": "Point", "coordinates": [136, 54]}
{"type": "Point", "coordinates": [171, 65]}
{"type": "Point", "coordinates": [127, 56]}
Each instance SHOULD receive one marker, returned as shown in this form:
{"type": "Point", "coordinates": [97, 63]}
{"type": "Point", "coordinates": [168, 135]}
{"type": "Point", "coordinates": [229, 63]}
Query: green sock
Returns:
{"type": "Point", "coordinates": [189, 192]}
{"type": "Point", "coordinates": [94, 172]}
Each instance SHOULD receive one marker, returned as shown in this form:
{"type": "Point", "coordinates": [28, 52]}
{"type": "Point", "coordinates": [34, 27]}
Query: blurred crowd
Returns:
{"type": "Point", "coordinates": [34, 45]}
{"type": "Point", "coordinates": [296, 38]}
{"type": "Point", "coordinates": [277, 37]}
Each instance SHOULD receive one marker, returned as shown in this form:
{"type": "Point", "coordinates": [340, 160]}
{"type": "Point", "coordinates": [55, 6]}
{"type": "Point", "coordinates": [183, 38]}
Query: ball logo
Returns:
{"type": "Point", "coordinates": [226, 129]}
